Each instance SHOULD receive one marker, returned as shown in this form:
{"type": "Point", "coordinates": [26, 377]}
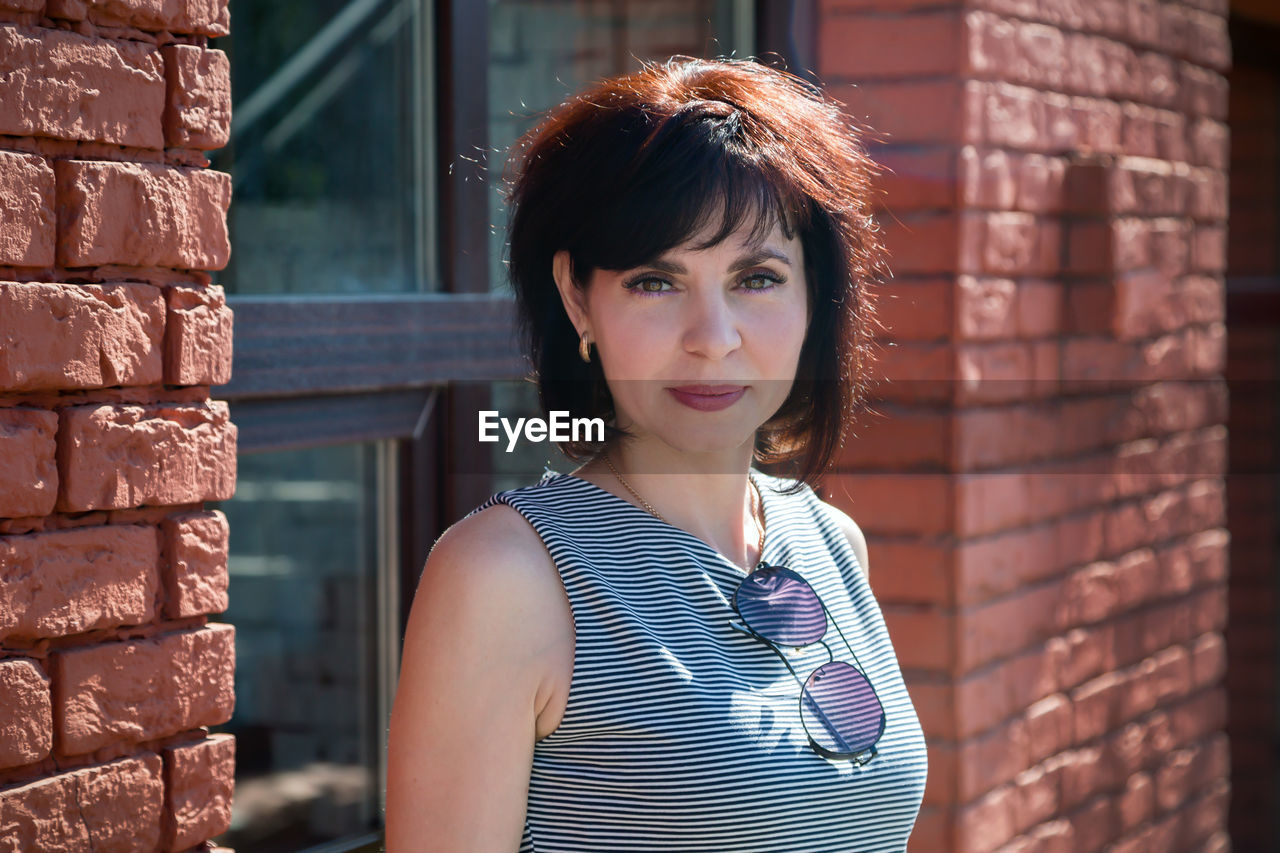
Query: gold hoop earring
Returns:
{"type": "Point", "coordinates": [584, 347]}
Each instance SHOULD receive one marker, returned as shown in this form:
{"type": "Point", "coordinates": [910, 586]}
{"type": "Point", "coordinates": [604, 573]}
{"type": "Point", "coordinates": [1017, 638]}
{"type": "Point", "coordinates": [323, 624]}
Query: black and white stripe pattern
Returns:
{"type": "Point", "coordinates": [683, 734]}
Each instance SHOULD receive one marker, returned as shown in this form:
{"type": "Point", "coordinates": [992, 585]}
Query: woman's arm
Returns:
{"type": "Point", "coordinates": [475, 662]}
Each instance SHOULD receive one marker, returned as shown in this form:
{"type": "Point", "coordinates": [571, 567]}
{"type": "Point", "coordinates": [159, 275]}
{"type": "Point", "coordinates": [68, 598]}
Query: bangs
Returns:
{"type": "Point", "coordinates": [692, 171]}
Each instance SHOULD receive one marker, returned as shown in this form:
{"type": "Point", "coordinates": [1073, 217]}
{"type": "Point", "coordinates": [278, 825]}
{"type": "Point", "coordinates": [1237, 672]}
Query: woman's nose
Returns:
{"type": "Point", "coordinates": [711, 327]}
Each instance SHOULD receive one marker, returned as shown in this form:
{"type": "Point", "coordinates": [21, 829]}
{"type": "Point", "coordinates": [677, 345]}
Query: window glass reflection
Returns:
{"type": "Point", "coordinates": [304, 601]}
{"type": "Point", "coordinates": [327, 150]}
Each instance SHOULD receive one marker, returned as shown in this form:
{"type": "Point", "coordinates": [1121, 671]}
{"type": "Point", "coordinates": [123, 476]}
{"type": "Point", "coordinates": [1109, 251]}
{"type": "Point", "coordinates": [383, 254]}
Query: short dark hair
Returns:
{"type": "Point", "coordinates": [632, 166]}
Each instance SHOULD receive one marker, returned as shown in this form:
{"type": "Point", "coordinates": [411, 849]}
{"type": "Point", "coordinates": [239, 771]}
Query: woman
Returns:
{"type": "Point", "coordinates": [612, 659]}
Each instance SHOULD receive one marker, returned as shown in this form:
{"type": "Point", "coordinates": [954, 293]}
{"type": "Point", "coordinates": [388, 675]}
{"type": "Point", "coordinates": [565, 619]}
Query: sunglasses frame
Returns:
{"type": "Point", "coordinates": [745, 628]}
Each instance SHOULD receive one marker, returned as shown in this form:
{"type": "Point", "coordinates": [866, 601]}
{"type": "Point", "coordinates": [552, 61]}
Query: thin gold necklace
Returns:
{"type": "Point", "coordinates": [757, 517]}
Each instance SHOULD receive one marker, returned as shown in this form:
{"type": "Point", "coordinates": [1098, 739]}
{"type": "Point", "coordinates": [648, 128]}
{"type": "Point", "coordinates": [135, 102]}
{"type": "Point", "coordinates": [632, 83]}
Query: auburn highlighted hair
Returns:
{"type": "Point", "coordinates": [634, 166]}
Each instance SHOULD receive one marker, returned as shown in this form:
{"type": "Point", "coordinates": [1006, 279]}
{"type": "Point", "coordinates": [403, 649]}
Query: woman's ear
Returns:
{"type": "Point", "coordinates": [574, 299]}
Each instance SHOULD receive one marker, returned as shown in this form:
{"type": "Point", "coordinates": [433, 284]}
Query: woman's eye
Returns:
{"type": "Point", "coordinates": [648, 286]}
{"type": "Point", "coordinates": [640, 285]}
{"type": "Point", "coordinates": [765, 281]}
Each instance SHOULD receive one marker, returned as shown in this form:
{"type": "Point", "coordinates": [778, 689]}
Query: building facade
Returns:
{"type": "Point", "coordinates": [251, 301]}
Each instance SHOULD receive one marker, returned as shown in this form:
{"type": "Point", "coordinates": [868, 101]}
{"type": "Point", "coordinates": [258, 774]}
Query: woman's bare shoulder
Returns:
{"type": "Point", "coordinates": [497, 540]}
{"type": "Point", "coordinates": [495, 559]}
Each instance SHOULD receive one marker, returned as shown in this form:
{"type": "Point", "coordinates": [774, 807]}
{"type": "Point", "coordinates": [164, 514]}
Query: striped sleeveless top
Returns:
{"type": "Point", "coordinates": [681, 733]}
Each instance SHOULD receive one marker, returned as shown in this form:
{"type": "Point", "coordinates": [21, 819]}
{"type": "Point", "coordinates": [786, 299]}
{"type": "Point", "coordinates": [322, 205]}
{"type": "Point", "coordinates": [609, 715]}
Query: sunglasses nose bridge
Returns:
{"type": "Point", "coordinates": [830, 654]}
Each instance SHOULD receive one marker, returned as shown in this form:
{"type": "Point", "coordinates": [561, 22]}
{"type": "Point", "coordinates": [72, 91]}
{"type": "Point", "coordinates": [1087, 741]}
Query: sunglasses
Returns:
{"type": "Point", "coordinates": [841, 713]}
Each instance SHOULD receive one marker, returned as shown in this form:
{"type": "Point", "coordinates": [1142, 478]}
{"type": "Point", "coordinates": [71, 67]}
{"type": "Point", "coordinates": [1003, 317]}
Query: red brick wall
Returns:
{"type": "Point", "coordinates": [111, 334]}
{"type": "Point", "coordinates": [1042, 483]}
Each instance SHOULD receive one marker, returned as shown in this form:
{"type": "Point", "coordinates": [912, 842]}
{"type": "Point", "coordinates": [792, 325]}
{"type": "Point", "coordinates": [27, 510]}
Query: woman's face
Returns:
{"type": "Point", "coordinates": [733, 315]}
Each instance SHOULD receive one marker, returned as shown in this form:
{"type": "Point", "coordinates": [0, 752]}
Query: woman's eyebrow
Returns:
{"type": "Point", "coordinates": [741, 263]}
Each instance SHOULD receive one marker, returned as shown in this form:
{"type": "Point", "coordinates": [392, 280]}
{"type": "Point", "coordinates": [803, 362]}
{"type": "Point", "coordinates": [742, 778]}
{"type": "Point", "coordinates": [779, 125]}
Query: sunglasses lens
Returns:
{"type": "Point", "coordinates": [840, 710]}
{"type": "Point", "coordinates": [780, 606]}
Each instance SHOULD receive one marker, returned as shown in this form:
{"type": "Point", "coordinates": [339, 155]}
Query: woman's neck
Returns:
{"type": "Point", "coordinates": [705, 495]}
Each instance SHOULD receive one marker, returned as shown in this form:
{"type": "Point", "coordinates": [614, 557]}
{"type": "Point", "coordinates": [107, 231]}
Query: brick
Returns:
{"type": "Point", "coordinates": [990, 821]}
{"type": "Point", "coordinates": [916, 372]}
{"type": "Point", "coordinates": [26, 712]}
{"type": "Point", "coordinates": [142, 214]}
{"type": "Point", "coordinates": [70, 581]}
{"type": "Point", "coordinates": [1096, 706]}
{"type": "Point", "coordinates": [1171, 136]}
{"type": "Point", "coordinates": [1208, 194]}
{"type": "Point", "coordinates": [1102, 67]}
{"type": "Point", "coordinates": [142, 689]}
{"type": "Point", "coordinates": [1135, 805]}
{"type": "Point", "coordinates": [1204, 92]}
{"type": "Point", "coordinates": [1006, 627]}
{"type": "Point", "coordinates": [999, 437]}
{"type": "Point", "coordinates": [932, 830]}
{"type": "Point", "coordinates": [1086, 771]}
{"type": "Point", "coordinates": [80, 335]}
{"type": "Point", "coordinates": [910, 572]}
{"type": "Point", "coordinates": [1038, 795]}
{"type": "Point", "coordinates": [1208, 661]}
{"type": "Point", "coordinates": [198, 335]}
{"type": "Point", "coordinates": [1050, 726]}
{"type": "Point", "coordinates": [1092, 124]}
{"type": "Point", "coordinates": [63, 85]}
{"type": "Point", "coordinates": [1207, 41]}
{"type": "Point", "coordinates": [995, 565]}
{"type": "Point", "coordinates": [200, 17]}
{"type": "Point", "coordinates": [1040, 181]}
{"type": "Point", "coordinates": [1208, 248]}
{"type": "Point", "coordinates": [1045, 57]}
{"type": "Point", "coordinates": [1110, 246]}
{"type": "Point", "coordinates": [869, 46]}
{"type": "Point", "coordinates": [991, 697]}
{"type": "Point", "coordinates": [28, 225]}
{"type": "Point", "coordinates": [119, 456]}
{"type": "Point", "coordinates": [200, 781]}
{"type": "Point", "coordinates": [1157, 76]}
{"type": "Point", "coordinates": [923, 638]}
{"type": "Point", "coordinates": [28, 468]}
{"type": "Point", "coordinates": [917, 309]}
{"type": "Point", "coordinates": [876, 501]}
{"type": "Point", "coordinates": [1210, 143]}
{"type": "Point", "coordinates": [916, 179]}
{"type": "Point", "coordinates": [1094, 825]}
{"type": "Point", "coordinates": [987, 178]}
{"type": "Point", "coordinates": [1139, 130]}
{"type": "Point", "coordinates": [922, 243]}
{"type": "Point", "coordinates": [908, 111]}
{"type": "Point", "coordinates": [1094, 188]}
{"type": "Point", "coordinates": [908, 438]}
{"type": "Point", "coordinates": [990, 502]}
{"type": "Point", "coordinates": [992, 759]}
{"type": "Point", "coordinates": [195, 546]}
{"type": "Point", "coordinates": [106, 808]}
{"type": "Point", "coordinates": [69, 10]}
{"type": "Point", "coordinates": [198, 101]}
{"type": "Point", "coordinates": [1008, 243]}
{"type": "Point", "coordinates": [1013, 117]}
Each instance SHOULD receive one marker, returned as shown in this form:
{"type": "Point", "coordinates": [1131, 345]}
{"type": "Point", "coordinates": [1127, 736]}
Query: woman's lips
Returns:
{"type": "Point", "coordinates": [708, 398]}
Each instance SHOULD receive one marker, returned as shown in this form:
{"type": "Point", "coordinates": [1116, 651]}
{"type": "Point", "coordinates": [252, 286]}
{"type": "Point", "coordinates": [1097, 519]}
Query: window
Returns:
{"type": "Point", "coordinates": [327, 142]}
{"type": "Point", "coordinates": [311, 594]}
